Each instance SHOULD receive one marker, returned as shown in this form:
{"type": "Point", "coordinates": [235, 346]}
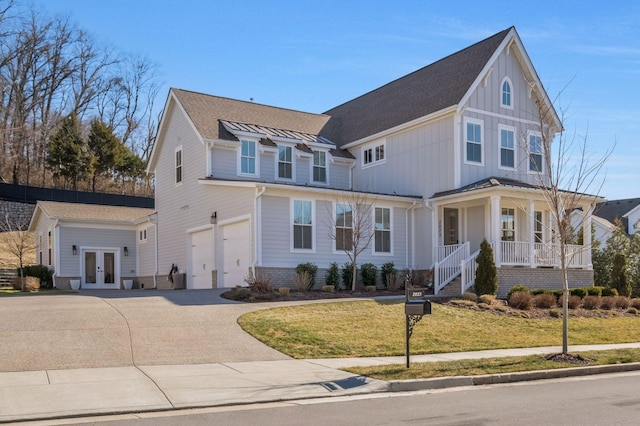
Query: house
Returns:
{"type": "Point", "coordinates": [627, 211]}
{"type": "Point", "coordinates": [438, 159]}
{"type": "Point", "coordinates": [601, 228]}
{"type": "Point", "coordinates": [94, 245]}
{"type": "Point", "coordinates": [446, 156]}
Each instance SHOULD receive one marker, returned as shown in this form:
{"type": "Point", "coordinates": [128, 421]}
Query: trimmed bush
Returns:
{"type": "Point", "coordinates": [633, 311]}
{"type": "Point", "coordinates": [595, 291]}
{"type": "Point", "coordinates": [38, 271]}
{"type": "Point", "coordinates": [328, 289]}
{"type": "Point", "coordinates": [239, 293]}
{"type": "Point", "coordinates": [544, 301]}
{"type": "Point", "coordinates": [558, 295]}
{"type": "Point", "coordinates": [635, 302]}
{"type": "Point", "coordinates": [521, 300]}
{"type": "Point", "coordinates": [347, 275]}
{"type": "Point", "coordinates": [309, 268]}
{"type": "Point", "coordinates": [537, 291]}
{"type": "Point", "coordinates": [369, 273]}
{"type": "Point", "coordinates": [580, 292]}
{"type": "Point", "coordinates": [486, 274]}
{"type": "Point", "coordinates": [555, 313]}
{"type": "Point", "coordinates": [284, 291]}
{"type": "Point", "coordinates": [607, 291]}
{"type": "Point", "coordinates": [333, 276]}
{"type": "Point", "coordinates": [622, 302]}
{"type": "Point", "coordinates": [517, 288]}
{"type": "Point", "coordinates": [574, 302]}
{"type": "Point", "coordinates": [487, 298]}
{"type": "Point", "coordinates": [591, 302]}
{"type": "Point", "coordinates": [470, 296]}
{"type": "Point", "coordinates": [608, 302]}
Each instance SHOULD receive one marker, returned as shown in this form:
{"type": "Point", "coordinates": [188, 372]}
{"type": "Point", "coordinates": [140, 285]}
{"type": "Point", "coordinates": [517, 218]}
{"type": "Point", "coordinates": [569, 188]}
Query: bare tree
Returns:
{"type": "Point", "coordinates": [17, 241]}
{"type": "Point", "coordinates": [566, 172]}
{"type": "Point", "coordinates": [352, 228]}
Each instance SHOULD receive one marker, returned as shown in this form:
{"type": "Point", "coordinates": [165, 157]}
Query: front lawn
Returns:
{"type": "Point", "coordinates": [370, 328]}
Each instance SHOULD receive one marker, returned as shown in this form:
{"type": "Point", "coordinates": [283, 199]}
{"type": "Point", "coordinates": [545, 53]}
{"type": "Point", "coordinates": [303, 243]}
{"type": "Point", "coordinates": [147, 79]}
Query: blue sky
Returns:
{"type": "Point", "coordinates": [314, 55]}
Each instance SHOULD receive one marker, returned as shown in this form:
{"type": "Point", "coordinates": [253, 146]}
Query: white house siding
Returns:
{"type": "Point", "coordinates": [276, 234]}
{"type": "Point", "coordinates": [43, 227]}
{"type": "Point", "coordinates": [475, 226]}
{"type": "Point", "coordinates": [147, 252]}
{"type": "Point", "coordinates": [224, 163]}
{"type": "Point", "coordinates": [82, 237]}
{"type": "Point", "coordinates": [339, 174]}
{"type": "Point", "coordinates": [523, 117]}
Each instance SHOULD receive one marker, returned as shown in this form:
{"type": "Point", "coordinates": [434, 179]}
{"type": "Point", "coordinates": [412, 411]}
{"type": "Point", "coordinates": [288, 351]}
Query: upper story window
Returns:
{"type": "Point", "coordinates": [373, 154]}
{"type": "Point", "coordinates": [285, 162]}
{"type": "Point", "coordinates": [178, 165]}
{"type": "Point", "coordinates": [508, 222]}
{"type": "Point", "coordinates": [473, 131]}
{"type": "Point", "coordinates": [302, 215]}
{"type": "Point", "coordinates": [319, 166]}
{"type": "Point", "coordinates": [535, 152]}
{"type": "Point", "coordinates": [344, 227]}
{"type": "Point", "coordinates": [505, 92]}
{"type": "Point", "coordinates": [382, 230]}
{"type": "Point", "coordinates": [507, 147]}
{"type": "Point", "coordinates": [248, 157]}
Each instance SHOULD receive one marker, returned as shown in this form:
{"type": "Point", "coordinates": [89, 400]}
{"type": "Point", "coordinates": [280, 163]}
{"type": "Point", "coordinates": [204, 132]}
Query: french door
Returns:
{"type": "Point", "coordinates": [100, 269]}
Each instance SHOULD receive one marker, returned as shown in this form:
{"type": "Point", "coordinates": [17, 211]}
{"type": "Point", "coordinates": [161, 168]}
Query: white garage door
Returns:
{"type": "Point", "coordinates": [201, 259]}
{"type": "Point", "coordinates": [236, 253]}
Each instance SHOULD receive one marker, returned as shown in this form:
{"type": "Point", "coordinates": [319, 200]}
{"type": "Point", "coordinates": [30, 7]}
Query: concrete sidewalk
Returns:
{"type": "Point", "coordinates": [47, 394]}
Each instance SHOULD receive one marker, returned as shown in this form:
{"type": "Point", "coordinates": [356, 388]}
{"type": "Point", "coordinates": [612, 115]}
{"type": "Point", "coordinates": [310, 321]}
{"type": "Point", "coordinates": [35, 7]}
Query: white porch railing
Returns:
{"type": "Point", "coordinates": [468, 272]}
{"type": "Point", "coordinates": [447, 268]}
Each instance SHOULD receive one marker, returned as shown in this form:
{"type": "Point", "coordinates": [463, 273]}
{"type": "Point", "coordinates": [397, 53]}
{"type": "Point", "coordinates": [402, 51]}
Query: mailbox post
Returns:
{"type": "Point", "coordinates": [415, 307]}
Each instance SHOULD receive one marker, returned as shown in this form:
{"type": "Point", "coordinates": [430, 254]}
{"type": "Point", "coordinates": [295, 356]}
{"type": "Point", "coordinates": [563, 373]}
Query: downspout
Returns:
{"type": "Point", "coordinates": [257, 212]}
{"type": "Point", "coordinates": [351, 176]}
{"type": "Point", "coordinates": [406, 240]}
{"type": "Point", "coordinates": [155, 274]}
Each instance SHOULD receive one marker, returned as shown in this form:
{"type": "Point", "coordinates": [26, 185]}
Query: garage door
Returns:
{"type": "Point", "coordinates": [201, 260]}
{"type": "Point", "coordinates": [236, 253]}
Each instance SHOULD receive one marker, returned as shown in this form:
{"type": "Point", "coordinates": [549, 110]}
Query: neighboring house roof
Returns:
{"type": "Point", "coordinates": [91, 213]}
{"type": "Point", "coordinates": [612, 209]}
{"type": "Point", "coordinates": [430, 89]}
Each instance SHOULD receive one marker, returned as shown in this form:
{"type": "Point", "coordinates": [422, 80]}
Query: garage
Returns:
{"type": "Point", "coordinates": [201, 260]}
{"type": "Point", "coordinates": [236, 253]}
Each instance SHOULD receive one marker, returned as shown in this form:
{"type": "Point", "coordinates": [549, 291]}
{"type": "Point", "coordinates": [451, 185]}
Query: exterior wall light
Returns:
{"type": "Point", "coordinates": [126, 251]}
{"type": "Point", "coordinates": [74, 249]}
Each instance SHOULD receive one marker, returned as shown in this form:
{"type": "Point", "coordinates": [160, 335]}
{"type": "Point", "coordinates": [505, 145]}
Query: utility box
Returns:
{"type": "Point", "coordinates": [179, 281]}
{"type": "Point", "coordinates": [417, 307]}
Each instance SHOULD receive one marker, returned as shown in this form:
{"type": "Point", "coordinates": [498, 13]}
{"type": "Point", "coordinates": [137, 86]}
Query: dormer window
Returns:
{"type": "Point", "coordinates": [285, 162]}
{"type": "Point", "coordinates": [248, 158]}
{"type": "Point", "coordinates": [505, 98]}
{"type": "Point", "coordinates": [320, 166]}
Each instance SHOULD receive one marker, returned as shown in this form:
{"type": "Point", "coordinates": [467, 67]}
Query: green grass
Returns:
{"type": "Point", "coordinates": [474, 367]}
{"type": "Point", "coordinates": [369, 328]}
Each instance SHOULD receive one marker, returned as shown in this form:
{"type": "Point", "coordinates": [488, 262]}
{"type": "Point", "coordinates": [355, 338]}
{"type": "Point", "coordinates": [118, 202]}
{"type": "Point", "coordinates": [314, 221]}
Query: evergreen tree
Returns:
{"type": "Point", "coordinates": [619, 276]}
{"type": "Point", "coordinates": [104, 147]}
{"type": "Point", "coordinates": [67, 157]}
{"type": "Point", "coordinates": [486, 273]}
{"type": "Point", "coordinates": [617, 244]}
{"type": "Point", "coordinates": [633, 261]}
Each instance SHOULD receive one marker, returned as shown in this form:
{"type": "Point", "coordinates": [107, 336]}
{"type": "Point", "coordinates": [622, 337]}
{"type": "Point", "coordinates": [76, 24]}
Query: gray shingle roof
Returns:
{"type": "Point", "coordinates": [94, 212]}
{"type": "Point", "coordinates": [612, 209]}
{"type": "Point", "coordinates": [427, 90]}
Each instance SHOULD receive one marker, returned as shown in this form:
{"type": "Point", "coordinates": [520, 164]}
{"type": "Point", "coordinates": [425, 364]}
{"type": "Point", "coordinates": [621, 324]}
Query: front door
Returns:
{"type": "Point", "coordinates": [450, 226]}
{"type": "Point", "coordinates": [100, 269]}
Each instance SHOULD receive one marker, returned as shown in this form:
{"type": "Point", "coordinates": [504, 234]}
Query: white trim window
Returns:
{"type": "Point", "coordinates": [535, 152]}
{"type": "Point", "coordinates": [537, 227]}
{"type": "Point", "coordinates": [506, 93]}
{"type": "Point", "coordinates": [473, 136]}
{"type": "Point", "coordinates": [302, 219]}
{"type": "Point", "coordinates": [508, 224]}
{"type": "Point", "coordinates": [319, 172]}
{"type": "Point", "coordinates": [373, 154]}
{"type": "Point", "coordinates": [507, 147]}
{"type": "Point", "coordinates": [285, 162]}
{"type": "Point", "coordinates": [248, 163]}
{"type": "Point", "coordinates": [142, 236]}
{"type": "Point", "coordinates": [178, 165]}
{"type": "Point", "coordinates": [344, 227]}
{"type": "Point", "coordinates": [382, 225]}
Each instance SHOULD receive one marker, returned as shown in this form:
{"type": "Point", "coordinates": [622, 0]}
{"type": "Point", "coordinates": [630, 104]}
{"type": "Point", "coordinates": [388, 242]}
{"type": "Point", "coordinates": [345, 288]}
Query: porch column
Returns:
{"type": "Point", "coordinates": [586, 235]}
{"type": "Point", "coordinates": [435, 230]}
{"type": "Point", "coordinates": [532, 238]}
{"type": "Point", "coordinates": [495, 229]}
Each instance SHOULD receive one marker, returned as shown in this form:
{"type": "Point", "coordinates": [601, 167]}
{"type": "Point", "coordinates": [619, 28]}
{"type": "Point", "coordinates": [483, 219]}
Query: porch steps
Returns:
{"type": "Point", "coordinates": [452, 289]}
{"type": "Point", "coordinates": [6, 276]}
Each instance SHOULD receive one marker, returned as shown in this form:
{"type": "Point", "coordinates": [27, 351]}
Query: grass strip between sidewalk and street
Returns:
{"type": "Point", "coordinates": [475, 367]}
{"type": "Point", "coordinates": [377, 328]}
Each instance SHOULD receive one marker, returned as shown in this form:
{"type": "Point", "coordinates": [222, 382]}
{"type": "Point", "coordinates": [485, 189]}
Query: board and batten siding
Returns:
{"type": "Point", "coordinates": [523, 117]}
{"type": "Point", "coordinates": [277, 228]}
{"type": "Point", "coordinates": [83, 237]}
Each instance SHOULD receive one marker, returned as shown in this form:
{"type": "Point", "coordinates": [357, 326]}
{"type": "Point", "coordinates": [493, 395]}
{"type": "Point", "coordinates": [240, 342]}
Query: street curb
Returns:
{"type": "Point", "coordinates": [490, 379]}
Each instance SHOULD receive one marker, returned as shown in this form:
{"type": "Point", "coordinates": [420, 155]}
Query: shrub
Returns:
{"type": "Point", "coordinates": [469, 296]}
{"type": "Point", "coordinates": [607, 291]}
{"type": "Point", "coordinates": [284, 291]}
{"type": "Point", "coordinates": [574, 302]}
{"type": "Point", "coordinates": [632, 310]}
{"type": "Point", "coordinates": [333, 276]}
{"type": "Point", "coordinates": [557, 294]}
{"type": "Point", "coordinates": [257, 285]}
{"type": "Point", "coordinates": [521, 300]}
{"type": "Point", "coordinates": [38, 271]}
{"type": "Point", "coordinates": [239, 293]}
{"type": "Point", "coordinates": [347, 275]}
{"type": "Point", "coordinates": [555, 313]}
{"type": "Point", "coordinates": [310, 269]}
{"type": "Point", "coordinates": [370, 288]}
{"type": "Point", "coordinates": [303, 281]}
{"type": "Point", "coordinates": [608, 302]}
{"type": "Point", "coordinates": [595, 291]}
{"type": "Point", "coordinates": [460, 302]}
{"type": "Point", "coordinates": [619, 279]}
{"type": "Point", "coordinates": [328, 289]}
{"type": "Point", "coordinates": [369, 273]}
{"type": "Point", "coordinates": [591, 302]}
{"type": "Point", "coordinates": [484, 306]}
{"type": "Point", "coordinates": [622, 302]}
{"type": "Point", "coordinates": [486, 273]}
{"type": "Point", "coordinates": [487, 298]}
{"type": "Point", "coordinates": [31, 284]}
{"type": "Point", "coordinates": [544, 301]}
{"type": "Point", "coordinates": [517, 288]}
{"type": "Point", "coordinates": [501, 308]}
{"type": "Point", "coordinates": [388, 272]}
{"type": "Point", "coordinates": [635, 302]}
{"type": "Point", "coordinates": [537, 291]}
{"type": "Point", "coordinates": [580, 292]}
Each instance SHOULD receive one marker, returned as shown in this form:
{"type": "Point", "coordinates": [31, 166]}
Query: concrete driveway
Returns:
{"type": "Point", "coordinates": [124, 328]}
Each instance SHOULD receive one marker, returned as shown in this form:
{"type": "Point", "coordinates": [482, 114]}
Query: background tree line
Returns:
{"type": "Point", "coordinates": [74, 114]}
